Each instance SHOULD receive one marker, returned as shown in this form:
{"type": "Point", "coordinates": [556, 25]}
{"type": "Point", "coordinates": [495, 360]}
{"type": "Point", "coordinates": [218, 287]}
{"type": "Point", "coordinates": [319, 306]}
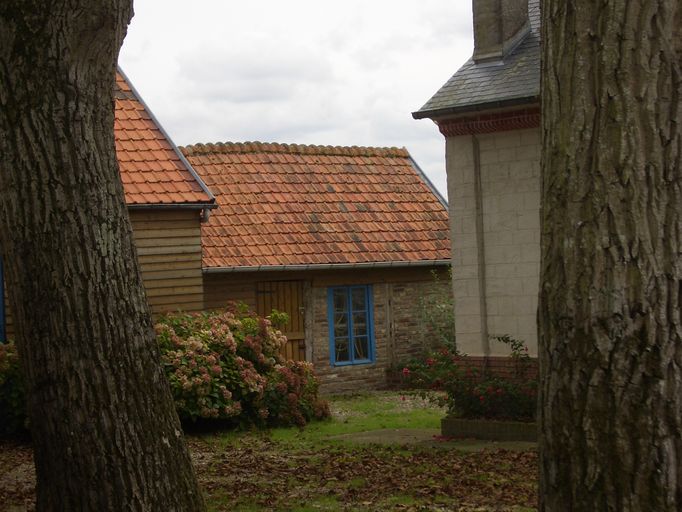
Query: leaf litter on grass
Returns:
{"type": "Point", "coordinates": [369, 477]}
{"type": "Point", "coordinates": [17, 477]}
{"type": "Point", "coordinates": [259, 474]}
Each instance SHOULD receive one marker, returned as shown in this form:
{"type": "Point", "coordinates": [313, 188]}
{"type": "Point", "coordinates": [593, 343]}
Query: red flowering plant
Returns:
{"type": "Point", "coordinates": [291, 395]}
{"type": "Point", "coordinates": [454, 380]}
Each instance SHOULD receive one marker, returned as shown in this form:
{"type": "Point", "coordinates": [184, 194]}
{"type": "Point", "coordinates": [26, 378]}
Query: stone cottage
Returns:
{"type": "Point", "coordinates": [489, 113]}
{"type": "Point", "coordinates": [342, 239]}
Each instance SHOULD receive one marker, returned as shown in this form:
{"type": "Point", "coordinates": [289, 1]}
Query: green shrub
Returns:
{"type": "Point", "coordinates": [472, 393]}
{"type": "Point", "coordinates": [436, 314]}
{"type": "Point", "coordinates": [12, 403]}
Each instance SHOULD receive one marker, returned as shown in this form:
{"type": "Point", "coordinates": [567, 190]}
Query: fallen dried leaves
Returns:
{"type": "Point", "coordinates": [17, 476]}
{"type": "Point", "coordinates": [369, 477]}
{"type": "Point", "coordinates": [261, 473]}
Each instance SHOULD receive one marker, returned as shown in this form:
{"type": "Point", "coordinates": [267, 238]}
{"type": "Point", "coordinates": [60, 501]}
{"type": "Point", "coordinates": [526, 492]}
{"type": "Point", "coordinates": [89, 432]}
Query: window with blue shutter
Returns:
{"type": "Point", "coordinates": [351, 330]}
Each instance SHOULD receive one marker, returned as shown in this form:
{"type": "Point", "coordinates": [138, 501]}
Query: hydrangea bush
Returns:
{"type": "Point", "coordinates": [468, 392]}
{"type": "Point", "coordinates": [227, 365]}
{"type": "Point", "coordinates": [222, 365]}
{"type": "Point", "coordinates": [291, 395]}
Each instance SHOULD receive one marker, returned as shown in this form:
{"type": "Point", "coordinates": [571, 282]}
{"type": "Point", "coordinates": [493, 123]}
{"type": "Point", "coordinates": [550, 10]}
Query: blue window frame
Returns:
{"type": "Point", "coordinates": [351, 325]}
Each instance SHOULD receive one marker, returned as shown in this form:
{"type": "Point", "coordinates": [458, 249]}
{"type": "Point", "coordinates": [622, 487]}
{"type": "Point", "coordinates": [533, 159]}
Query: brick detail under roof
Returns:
{"type": "Point", "coordinates": [290, 204]}
{"type": "Point", "coordinates": [490, 123]}
{"type": "Point", "coordinates": [152, 172]}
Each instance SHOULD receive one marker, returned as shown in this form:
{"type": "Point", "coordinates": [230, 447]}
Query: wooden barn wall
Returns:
{"type": "Point", "coordinates": [169, 251]}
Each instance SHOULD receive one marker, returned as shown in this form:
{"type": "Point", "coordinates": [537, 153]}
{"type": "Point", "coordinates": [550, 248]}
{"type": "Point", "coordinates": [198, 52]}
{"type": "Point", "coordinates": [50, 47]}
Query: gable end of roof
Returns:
{"type": "Point", "coordinates": [154, 173]}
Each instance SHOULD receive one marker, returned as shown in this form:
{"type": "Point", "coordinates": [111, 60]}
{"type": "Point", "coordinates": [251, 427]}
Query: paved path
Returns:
{"type": "Point", "coordinates": [428, 437]}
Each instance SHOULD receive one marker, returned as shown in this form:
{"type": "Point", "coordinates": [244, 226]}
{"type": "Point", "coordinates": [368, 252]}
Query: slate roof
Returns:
{"type": "Point", "coordinates": [153, 170]}
{"type": "Point", "coordinates": [487, 85]}
{"type": "Point", "coordinates": [282, 205]}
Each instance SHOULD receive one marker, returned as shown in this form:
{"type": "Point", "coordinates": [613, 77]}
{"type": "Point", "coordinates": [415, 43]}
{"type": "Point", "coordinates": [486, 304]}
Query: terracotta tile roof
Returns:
{"type": "Point", "coordinates": [282, 204]}
{"type": "Point", "coordinates": [152, 170]}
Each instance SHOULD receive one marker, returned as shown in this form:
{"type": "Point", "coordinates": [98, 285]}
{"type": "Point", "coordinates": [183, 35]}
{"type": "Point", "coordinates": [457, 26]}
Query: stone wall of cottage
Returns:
{"type": "Point", "coordinates": [399, 333]}
{"type": "Point", "coordinates": [494, 197]}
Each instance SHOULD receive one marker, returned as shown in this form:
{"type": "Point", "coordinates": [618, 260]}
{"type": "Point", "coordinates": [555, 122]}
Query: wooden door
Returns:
{"type": "Point", "coordinates": [285, 296]}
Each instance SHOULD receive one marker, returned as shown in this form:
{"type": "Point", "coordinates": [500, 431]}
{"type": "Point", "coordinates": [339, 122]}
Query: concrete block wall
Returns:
{"type": "Point", "coordinates": [510, 183]}
{"type": "Point", "coordinates": [494, 195]}
{"type": "Point", "coordinates": [466, 239]}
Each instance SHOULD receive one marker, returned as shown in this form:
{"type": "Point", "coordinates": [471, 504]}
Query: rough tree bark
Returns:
{"type": "Point", "coordinates": [610, 321]}
{"type": "Point", "coordinates": [106, 435]}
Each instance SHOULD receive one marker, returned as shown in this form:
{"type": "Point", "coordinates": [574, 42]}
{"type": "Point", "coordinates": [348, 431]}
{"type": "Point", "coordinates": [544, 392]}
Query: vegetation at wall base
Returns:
{"type": "Point", "coordinates": [436, 314]}
{"type": "Point", "coordinates": [472, 392]}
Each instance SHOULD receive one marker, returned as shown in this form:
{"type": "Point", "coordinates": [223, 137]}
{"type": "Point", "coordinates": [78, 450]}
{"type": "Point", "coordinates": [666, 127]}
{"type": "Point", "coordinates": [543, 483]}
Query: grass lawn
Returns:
{"type": "Point", "coordinates": [380, 452]}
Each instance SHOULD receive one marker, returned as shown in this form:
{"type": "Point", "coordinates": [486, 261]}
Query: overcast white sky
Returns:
{"type": "Point", "coordinates": [332, 72]}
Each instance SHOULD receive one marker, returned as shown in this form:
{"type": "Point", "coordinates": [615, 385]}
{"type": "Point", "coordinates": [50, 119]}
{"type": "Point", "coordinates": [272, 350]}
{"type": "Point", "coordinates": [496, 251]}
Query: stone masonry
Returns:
{"type": "Point", "coordinates": [398, 334]}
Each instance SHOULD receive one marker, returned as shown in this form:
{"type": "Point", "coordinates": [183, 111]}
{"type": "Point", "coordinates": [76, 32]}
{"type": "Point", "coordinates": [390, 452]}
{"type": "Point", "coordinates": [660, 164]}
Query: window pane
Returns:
{"type": "Point", "coordinates": [340, 325]}
{"type": "Point", "coordinates": [341, 349]}
{"type": "Point", "coordinates": [359, 302]}
{"type": "Point", "coordinates": [340, 300]}
{"type": "Point", "coordinates": [360, 324]}
{"type": "Point", "coordinates": [361, 348]}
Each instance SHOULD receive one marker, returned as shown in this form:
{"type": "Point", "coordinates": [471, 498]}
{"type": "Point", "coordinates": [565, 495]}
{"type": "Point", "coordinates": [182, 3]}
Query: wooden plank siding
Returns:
{"type": "Point", "coordinates": [169, 251]}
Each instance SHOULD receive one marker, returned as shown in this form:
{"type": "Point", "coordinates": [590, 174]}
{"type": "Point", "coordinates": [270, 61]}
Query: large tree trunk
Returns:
{"type": "Point", "coordinates": [106, 435]}
{"type": "Point", "coordinates": [609, 317]}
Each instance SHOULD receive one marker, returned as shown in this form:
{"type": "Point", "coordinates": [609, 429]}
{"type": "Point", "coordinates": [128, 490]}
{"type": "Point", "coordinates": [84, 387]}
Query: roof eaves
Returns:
{"type": "Point", "coordinates": [438, 114]}
{"type": "Point", "coordinates": [172, 206]}
{"type": "Point", "coordinates": [328, 266]}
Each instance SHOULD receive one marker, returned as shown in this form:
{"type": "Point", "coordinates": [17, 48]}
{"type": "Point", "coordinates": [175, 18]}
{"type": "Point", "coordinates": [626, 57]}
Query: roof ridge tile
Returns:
{"type": "Point", "coordinates": [301, 149]}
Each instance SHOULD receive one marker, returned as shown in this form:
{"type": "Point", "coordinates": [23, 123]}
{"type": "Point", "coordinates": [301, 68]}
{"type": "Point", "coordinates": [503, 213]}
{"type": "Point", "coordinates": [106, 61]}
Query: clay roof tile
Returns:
{"type": "Point", "coordinates": [153, 157]}
{"type": "Point", "coordinates": [285, 202]}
